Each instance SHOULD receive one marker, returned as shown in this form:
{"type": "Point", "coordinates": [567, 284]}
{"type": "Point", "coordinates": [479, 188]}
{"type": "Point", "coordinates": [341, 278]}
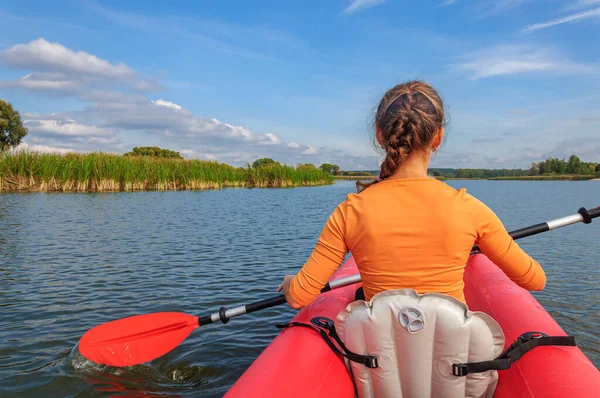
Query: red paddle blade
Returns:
{"type": "Point", "coordinates": [136, 339]}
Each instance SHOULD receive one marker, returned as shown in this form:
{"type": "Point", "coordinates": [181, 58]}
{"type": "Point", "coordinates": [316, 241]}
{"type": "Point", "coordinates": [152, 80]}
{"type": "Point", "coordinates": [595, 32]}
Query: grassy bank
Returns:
{"type": "Point", "coordinates": [99, 172]}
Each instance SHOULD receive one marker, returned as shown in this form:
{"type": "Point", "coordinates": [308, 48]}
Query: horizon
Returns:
{"type": "Point", "coordinates": [298, 83]}
{"type": "Point", "coordinates": [374, 172]}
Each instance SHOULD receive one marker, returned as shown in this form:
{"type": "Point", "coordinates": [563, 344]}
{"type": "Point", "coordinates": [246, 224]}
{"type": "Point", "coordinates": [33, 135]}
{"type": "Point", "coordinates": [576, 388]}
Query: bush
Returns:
{"type": "Point", "coordinates": [306, 167]}
{"type": "Point", "coordinates": [262, 162]}
{"type": "Point", "coordinates": [330, 168]}
{"type": "Point", "coordinates": [154, 152]}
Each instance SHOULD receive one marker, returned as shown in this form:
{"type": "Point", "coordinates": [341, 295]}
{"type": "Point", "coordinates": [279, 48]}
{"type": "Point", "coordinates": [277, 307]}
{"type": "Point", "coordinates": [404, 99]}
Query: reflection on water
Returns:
{"type": "Point", "coordinates": [69, 262]}
{"type": "Point", "coordinates": [141, 380]}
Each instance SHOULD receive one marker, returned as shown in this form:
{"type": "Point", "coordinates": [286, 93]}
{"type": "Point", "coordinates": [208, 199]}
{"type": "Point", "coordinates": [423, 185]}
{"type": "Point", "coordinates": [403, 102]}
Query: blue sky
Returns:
{"type": "Point", "coordinates": [298, 81]}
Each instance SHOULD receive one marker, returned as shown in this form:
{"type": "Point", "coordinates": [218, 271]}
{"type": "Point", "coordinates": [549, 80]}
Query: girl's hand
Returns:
{"type": "Point", "coordinates": [285, 286]}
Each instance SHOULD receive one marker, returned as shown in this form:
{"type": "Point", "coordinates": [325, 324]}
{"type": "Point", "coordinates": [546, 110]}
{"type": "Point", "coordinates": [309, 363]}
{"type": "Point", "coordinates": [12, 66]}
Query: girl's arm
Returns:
{"type": "Point", "coordinates": [496, 243]}
{"type": "Point", "coordinates": [325, 259]}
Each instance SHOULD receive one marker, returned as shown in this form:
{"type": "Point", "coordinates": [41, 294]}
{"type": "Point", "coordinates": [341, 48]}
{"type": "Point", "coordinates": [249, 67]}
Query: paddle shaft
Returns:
{"type": "Point", "coordinates": [225, 314]}
{"type": "Point", "coordinates": [583, 215]}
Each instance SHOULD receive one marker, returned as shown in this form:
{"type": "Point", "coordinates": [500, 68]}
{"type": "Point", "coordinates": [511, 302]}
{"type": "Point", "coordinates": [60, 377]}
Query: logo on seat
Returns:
{"type": "Point", "coordinates": [412, 319]}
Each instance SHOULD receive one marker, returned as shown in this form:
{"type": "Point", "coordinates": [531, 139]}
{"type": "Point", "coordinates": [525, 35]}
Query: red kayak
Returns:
{"type": "Point", "coordinates": [298, 363]}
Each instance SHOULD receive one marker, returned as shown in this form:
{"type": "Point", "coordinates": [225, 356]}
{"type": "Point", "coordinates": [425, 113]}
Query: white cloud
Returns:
{"type": "Point", "coordinates": [98, 126]}
{"type": "Point", "coordinates": [508, 60]}
{"type": "Point", "coordinates": [66, 128]}
{"type": "Point", "coordinates": [191, 153]}
{"type": "Point", "coordinates": [187, 152]}
{"type": "Point", "coordinates": [229, 130]}
{"type": "Point", "coordinates": [114, 115]}
{"type": "Point", "coordinates": [61, 132]}
{"type": "Point", "coordinates": [23, 146]}
{"type": "Point", "coordinates": [357, 5]}
{"type": "Point", "coordinates": [310, 151]}
{"type": "Point", "coordinates": [594, 13]}
{"type": "Point", "coordinates": [168, 104]}
{"type": "Point", "coordinates": [144, 86]}
{"type": "Point", "coordinates": [584, 147]}
{"type": "Point", "coordinates": [43, 82]}
{"type": "Point", "coordinates": [272, 139]}
{"type": "Point", "coordinates": [42, 55]}
{"type": "Point", "coordinates": [58, 69]}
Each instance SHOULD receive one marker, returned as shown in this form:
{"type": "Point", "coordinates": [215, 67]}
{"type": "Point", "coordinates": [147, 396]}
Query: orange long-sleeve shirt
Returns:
{"type": "Point", "coordinates": [412, 233]}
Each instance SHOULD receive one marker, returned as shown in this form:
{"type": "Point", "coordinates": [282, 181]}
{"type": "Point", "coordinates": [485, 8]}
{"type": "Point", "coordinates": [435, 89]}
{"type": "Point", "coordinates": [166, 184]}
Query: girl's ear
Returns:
{"type": "Point", "coordinates": [379, 136]}
{"type": "Point", "coordinates": [437, 138]}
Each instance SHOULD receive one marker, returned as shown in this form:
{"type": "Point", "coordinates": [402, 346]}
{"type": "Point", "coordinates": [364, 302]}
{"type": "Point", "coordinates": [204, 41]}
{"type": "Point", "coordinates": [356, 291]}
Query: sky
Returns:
{"type": "Point", "coordinates": [298, 81]}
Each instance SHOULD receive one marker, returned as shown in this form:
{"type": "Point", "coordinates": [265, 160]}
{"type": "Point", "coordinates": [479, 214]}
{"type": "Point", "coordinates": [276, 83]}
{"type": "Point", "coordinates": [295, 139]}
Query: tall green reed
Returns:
{"type": "Point", "coordinates": [97, 171]}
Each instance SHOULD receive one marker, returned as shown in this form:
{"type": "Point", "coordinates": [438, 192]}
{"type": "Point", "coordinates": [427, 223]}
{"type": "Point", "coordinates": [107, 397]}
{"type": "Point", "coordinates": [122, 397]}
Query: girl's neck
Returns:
{"type": "Point", "coordinates": [414, 167]}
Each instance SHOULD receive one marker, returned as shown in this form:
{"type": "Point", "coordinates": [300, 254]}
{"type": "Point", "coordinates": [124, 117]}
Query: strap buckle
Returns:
{"type": "Point", "coordinates": [371, 362]}
{"type": "Point", "coordinates": [323, 322]}
{"type": "Point", "coordinates": [525, 337]}
{"type": "Point", "coordinates": [460, 369]}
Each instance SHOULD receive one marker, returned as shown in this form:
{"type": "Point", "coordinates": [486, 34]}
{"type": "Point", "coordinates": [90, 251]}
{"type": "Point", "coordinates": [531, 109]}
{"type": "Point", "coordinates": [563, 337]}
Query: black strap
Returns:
{"type": "Point", "coordinates": [326, 329]}
{"type": "Point", "coordinates": [525, 343]}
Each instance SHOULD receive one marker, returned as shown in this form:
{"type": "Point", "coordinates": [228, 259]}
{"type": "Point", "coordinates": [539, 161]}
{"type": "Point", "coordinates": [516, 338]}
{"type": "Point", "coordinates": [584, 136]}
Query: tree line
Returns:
{"type": "Point", "coordinates": [560, 166]}
{"type": "Point", "coordinates": [12, 132]}
{"type": "Point", "coordinates": [552, 166]}
{"type": "Point", "coordinates": [485, 173]}
{"type": "Point", "coordinates": [328, 168]}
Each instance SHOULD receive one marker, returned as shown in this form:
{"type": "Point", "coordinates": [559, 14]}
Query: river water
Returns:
{"type": "Point", "coordinates": [69, 262]}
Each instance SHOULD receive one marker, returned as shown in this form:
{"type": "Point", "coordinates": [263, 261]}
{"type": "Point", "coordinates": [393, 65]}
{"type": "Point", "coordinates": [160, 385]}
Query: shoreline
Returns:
{"type": "Point", "coordinates": [354, 177]}
{"type": "Point", "coordinates": [23, 185]}
{"type": "Point", "coordinates": [565, 177]}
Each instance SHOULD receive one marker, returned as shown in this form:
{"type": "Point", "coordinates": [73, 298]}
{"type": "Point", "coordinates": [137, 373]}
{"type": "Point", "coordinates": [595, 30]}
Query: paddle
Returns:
{"type": "Point", "coordinates": [142, 338]}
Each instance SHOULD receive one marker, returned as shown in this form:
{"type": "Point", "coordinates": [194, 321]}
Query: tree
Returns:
{"type": "Point", "coordinates": [263, 162]}
{"type": "Point", "coordinates": [533, 170]}
{"type": "Point", "coordinates": [12, 130]}
{"type": "Point", "coordinates": [541, 168]}
{"type": "Point", "coordinates": [154, 151]}
{"type": "Point", "coordinates": [574, 165]}
{"type": "Point", "coordinates": [330, 168]}
{"type": "Point", "coordinates": [306, 166]}
{"type": "Point", "coordinates": [436, 173]}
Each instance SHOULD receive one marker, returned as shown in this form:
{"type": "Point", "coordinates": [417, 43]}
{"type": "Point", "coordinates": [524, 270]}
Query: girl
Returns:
{"type": "Point", "coordinates": [405, 229]}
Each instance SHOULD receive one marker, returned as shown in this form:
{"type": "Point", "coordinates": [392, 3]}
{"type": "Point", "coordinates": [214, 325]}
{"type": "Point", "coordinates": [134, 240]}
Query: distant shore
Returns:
{"type": "Point", "coordinates": [354, 177]}
{"type": "Point", "coordinates": [565, 177]}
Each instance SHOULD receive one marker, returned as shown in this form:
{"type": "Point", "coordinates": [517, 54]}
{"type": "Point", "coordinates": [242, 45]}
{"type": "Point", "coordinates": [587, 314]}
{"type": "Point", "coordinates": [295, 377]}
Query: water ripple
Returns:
{"type": "Point", "coordinates": [69, 262]}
